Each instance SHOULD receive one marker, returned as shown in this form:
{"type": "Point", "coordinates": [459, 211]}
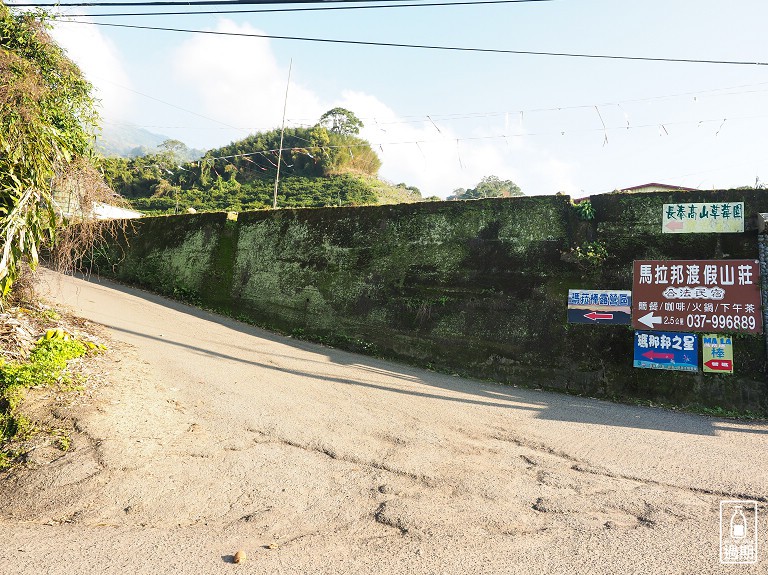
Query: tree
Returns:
{"type": "Point", "coordinates": [241, 175]}
{"type": "Point", "coordinates": [173, 152]}
{"type": "Point", "coordinates": [412, 191]}
{"type": "Point", "coordinates": [341, 121]}
{"type": "Point", "coordinates": [489, 187]}
{"type": "Point", "coordinates": [47, 121]}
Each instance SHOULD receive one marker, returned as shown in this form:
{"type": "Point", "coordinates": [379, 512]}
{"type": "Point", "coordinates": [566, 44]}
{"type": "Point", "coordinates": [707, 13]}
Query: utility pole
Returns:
{"type": "Point", "coordinates": [282, 133]}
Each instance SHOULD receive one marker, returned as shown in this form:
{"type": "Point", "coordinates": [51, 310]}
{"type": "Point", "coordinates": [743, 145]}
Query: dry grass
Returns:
{"type": "Point", "coordinates": [80, 235]}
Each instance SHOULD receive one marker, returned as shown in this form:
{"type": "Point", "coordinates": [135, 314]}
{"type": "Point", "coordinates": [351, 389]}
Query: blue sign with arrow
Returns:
{"type": "Point", "coordinates": [599, 306]}
{"type": "Point", "coordinates": [663, 350]}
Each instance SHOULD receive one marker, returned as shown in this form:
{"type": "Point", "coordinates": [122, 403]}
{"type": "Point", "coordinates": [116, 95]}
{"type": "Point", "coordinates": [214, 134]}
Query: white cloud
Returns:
{"type": "Point", "coordinates": [552, 175]}
{"type": "Point", "coordinates": [437, 158]}
{"type": "Point", "coordinates": [100, 62]}
{"type": "Point", "coordinates": [238, 81]}
{"type": "Point", "coordinates": [426, 154]}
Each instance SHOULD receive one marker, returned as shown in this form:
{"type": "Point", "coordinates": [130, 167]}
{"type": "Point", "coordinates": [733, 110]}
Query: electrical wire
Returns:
{"type": "Point", "coordinates": [281, 10]}
{"type": "Point", "coordinates": [418, 119]}
{"type": "Point", "coordinates": [451, 139]}
{"type": "Point", "coordinates": [214, 3]}
{"type": "Point", "coordinates": [180, 108]}
{"type": "Point", "coordinates": [430, 47]}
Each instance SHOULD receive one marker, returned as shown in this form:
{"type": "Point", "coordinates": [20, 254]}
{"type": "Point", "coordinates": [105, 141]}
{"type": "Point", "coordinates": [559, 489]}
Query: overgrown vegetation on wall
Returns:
{"type": "Point", "coordinates": [479, 288]}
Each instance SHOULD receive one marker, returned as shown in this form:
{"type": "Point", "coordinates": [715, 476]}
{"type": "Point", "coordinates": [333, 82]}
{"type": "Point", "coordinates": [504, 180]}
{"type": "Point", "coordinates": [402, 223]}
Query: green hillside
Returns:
{"type": "Point", "coordinates": [325, 165]}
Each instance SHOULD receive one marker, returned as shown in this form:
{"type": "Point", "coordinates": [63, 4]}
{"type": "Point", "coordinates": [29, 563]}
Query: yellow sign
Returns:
{"type": "Point", "coordinates": [710, 218]}
{"type": "Point", "coordinates": [717, 351]}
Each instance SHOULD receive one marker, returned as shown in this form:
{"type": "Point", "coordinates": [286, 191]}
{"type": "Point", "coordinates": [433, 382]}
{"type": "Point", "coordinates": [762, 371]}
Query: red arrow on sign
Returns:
{"type": "Point", "coordinates": [594, 316]}
{"type": "Point", "coordinates": [674, 226]}
{"type": "Point", "coordinates": [720, 364]}
{"type": "Point", "coordinates": [653, 355]}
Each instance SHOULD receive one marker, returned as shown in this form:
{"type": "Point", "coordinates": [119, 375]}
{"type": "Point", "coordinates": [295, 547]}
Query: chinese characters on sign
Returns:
{"type": "Point", "coordinates": [599, 306]}
{"type": "Point", "coordinates": [738, 532]}
{"type": "Point", "coordinates": [662, 350]}
{"type": "Point", "coordinates": [722, 217]}
{"type": "Point", "coordinates": [697, 295]}
{"type": "Point", "coordinates": [717, 353]}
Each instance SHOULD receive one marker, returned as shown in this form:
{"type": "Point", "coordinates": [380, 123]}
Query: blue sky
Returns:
{"type": "Point", "coordinates": [442, 120]}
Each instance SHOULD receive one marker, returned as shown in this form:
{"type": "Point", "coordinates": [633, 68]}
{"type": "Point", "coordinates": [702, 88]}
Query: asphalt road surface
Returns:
{"type": "Point", "coordinates": [213, 436]}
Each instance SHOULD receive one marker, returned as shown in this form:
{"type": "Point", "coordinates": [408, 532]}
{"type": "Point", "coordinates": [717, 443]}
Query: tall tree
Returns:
{"type": "Point", "coordinates": [47, 118]}
{"type": "Point", "coordinates": [341, 121]}
{"type": "Point", "coordinates": [174, 152]}
{"type": "Point", "coordinates": [489, 187]}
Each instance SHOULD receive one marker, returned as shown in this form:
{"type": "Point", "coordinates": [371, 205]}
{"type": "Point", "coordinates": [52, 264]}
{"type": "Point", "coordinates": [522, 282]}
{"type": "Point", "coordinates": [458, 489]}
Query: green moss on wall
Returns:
{"type": "Point", "coordinates": [174, 255]}
{"type": "Point", "coordinates": [477, 287]}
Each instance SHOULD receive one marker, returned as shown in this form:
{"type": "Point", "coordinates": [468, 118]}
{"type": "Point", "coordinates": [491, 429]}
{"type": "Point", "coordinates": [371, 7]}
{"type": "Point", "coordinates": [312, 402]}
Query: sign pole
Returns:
{"type": "Point", "coordinates": [762, 248]}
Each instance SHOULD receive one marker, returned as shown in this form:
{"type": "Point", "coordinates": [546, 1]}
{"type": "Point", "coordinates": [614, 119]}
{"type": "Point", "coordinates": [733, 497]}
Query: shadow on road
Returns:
{"type": "Point", "coordinates": [317, 375]}
{"type": "Point", "coordinates": [423, 383]}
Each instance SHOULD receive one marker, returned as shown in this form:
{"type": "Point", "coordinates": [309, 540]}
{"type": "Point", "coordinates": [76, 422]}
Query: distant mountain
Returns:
{"type": "Point", "coordinates": [126, 141]}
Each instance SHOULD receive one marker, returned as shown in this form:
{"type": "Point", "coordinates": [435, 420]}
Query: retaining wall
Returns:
{"type": "Point", "coordinates": [477, 287]}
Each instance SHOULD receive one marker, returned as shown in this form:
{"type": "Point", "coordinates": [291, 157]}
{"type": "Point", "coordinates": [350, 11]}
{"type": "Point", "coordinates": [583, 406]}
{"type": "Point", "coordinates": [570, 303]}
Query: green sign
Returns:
{"type": "Point", "coordinates": [710, 218]}
{"type": "Point", "coordinates": [717, 352]}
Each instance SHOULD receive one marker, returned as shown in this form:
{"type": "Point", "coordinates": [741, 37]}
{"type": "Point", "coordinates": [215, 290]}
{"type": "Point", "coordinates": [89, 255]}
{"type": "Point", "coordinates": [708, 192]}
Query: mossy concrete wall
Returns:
{"type": "Point", "coordinates": [478, 287]}
{"type": "Point", "coordinates": [182, 256]}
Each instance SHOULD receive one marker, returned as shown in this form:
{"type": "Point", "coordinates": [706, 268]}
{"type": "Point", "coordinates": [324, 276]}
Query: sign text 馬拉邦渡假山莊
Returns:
{"type": "Point", "coordinates": [697, 295]}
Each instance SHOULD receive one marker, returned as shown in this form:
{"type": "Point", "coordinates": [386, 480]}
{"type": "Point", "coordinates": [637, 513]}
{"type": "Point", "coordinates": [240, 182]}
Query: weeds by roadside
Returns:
{"type": "Point", "coordinates": [36, 364]}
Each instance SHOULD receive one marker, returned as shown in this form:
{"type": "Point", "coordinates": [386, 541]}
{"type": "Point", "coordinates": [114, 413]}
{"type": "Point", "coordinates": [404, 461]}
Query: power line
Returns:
{"type": "Point", "coordinates": [491, 137]}
{"type": "Point", "coordinates": [417, 119]}
{"type": "Point", "coordinates": [420, 118]}
{"type": "Point", "coordinates": [212, 3]}
{"type": "Point", "coordinates": [159, 127]}
{"type": "Point", "coordinates": [313, 9]}
{"type": "Point", "coordinates": [432, 47]}
{"type": "Point", "coordinates": [173, 105]}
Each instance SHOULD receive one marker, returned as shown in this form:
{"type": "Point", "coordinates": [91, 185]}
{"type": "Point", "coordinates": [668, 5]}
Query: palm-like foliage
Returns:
{"type": "Point", "coordinates": [46, 120]}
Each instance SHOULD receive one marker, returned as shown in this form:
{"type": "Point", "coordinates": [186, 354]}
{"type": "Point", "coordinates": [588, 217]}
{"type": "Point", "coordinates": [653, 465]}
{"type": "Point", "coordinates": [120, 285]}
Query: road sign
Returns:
{"type": "Point", "coordinates": [692, 218]}
{"type": "Point", "coordinates": [663, 350]}
{"type": "Point", "coordinates": [697, 295]}
{"type": "Point", "coordinates": [599, 306]}
{"type": "Point", "coordinates": [717, 353]}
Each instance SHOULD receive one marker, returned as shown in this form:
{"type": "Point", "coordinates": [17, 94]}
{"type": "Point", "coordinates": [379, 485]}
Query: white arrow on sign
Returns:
{"type": "Point", "coordinates": [649, 319]}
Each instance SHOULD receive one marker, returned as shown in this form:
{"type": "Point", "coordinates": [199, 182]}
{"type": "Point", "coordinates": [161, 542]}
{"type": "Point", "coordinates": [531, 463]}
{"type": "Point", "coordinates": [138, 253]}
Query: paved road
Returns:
{"type": "Point", "coordinates": [214, 436]}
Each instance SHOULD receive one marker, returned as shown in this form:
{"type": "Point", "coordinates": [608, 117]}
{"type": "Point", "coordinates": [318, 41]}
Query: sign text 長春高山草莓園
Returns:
{"type": "Point", "coordinates": [702, 218]}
